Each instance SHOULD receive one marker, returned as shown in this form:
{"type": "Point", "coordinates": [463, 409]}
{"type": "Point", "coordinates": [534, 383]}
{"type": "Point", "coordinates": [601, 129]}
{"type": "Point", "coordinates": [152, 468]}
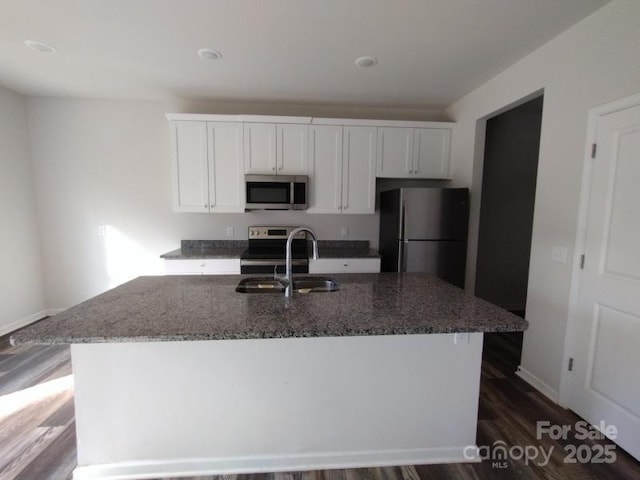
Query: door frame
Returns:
{"type": "Point", "coordinates": [594, 115]}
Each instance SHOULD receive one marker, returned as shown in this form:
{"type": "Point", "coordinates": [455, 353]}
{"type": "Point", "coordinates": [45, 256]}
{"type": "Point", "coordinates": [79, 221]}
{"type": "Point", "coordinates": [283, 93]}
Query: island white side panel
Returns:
{"type": "Point", "coordinates": [277, 404]}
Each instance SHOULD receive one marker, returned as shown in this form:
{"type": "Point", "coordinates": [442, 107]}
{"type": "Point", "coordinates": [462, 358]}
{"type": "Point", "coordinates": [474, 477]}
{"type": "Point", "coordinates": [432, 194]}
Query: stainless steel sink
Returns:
{"type": "Point", "coordinates": [300, 285]}
{"type": "Point", "coordinates": [260, 285]}
{"type": "Point", "coordinates": [314, 284]}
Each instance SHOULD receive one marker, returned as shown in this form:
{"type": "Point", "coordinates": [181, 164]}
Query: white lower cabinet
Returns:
{"type": "Point", "coordinates": [344, 265]}
{"type": "Point", "coordinates": [208, 266]}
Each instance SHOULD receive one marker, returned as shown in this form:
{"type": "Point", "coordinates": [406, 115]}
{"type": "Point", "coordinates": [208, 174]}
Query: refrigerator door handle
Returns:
{"type": "Point", "coordinates": [402, 256]}
{"type": "Point", "coordinates": [403, 210]}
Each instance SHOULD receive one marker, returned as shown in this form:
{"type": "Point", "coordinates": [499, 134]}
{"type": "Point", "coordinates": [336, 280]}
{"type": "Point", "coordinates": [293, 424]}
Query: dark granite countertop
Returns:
{"type": "Point", "coordinates": [207, 307]}
{"type": "Point", "coordinates": [225, 252]}
{"type": "Point", "coordinates": [202, 249]}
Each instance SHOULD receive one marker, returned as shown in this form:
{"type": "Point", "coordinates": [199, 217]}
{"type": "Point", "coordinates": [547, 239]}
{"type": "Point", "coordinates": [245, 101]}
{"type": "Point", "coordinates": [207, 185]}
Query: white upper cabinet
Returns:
{"type": "Point", "coordinates": [260, 148]}
{"type": "Point", "coordinates": [342, 169]}
{"type": "Point", "coordinates": [395, 152]}
{"type": "Point", "coordinates": [413, 152]}
{"type": "Point", "coordinates": [226, 179]}
{"type": "Point", "coordinates": [359, 170]}
{"type": "Point", "coordinates": [431, 152]}
{"type": "Point", "coordinates": [276, 149]}
{"type": "Point", "coordinates": [292, 149]}
{"type": "Point", "coordinates": [325, 169]}
{"type": "Point", "coordinates": [342, 157]}
{"type": "Point", "coordinates": [190, 166]}
{"type": "Point", "coordinates": [207, 166]}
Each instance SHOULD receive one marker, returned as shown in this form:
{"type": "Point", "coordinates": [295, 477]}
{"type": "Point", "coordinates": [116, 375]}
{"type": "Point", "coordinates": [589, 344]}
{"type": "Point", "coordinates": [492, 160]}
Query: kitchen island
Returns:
{"type": "Point", "coordinates": [182, 375]}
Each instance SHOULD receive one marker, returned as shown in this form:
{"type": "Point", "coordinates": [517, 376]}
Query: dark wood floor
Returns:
{"type": "Point", "coordinates": [37, 439]}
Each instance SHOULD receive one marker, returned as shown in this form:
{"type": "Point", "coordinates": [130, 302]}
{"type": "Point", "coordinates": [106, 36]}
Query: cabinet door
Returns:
{"type": "Point", "coordinates": [358, 170]}
{"type": "Point", "coordinates": [190, 166]}
{"type": "Point", "coordinates": [292, 149]}
{"type": "Point", "coordinates": [221, 266]}
{"type": "Point", "coordinates": [260, 148]}
{"type": "Point", "coordinates": [432, 150]}
{"type": "Point", "coordinates": [226, 170]}
{"type": "Point", "coordinates": [183, 267]}
{"type": "Point", "coordinates": [325, 169]}
{"type": "Point", "coordinates": [395, 152]}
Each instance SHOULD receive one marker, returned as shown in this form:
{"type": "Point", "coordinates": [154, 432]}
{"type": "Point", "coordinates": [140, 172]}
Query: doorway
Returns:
{"type": "Point", "coordinates": [512, 144]}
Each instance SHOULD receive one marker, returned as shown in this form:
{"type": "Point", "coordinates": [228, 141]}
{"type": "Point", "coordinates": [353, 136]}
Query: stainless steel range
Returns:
{"type": "Point", "coordinates": [266, 252]}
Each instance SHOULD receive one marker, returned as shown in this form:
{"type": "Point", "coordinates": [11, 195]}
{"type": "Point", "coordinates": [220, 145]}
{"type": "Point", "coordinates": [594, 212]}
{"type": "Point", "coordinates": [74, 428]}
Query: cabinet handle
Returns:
{"type": "Point", "coordinates": [281, 166]}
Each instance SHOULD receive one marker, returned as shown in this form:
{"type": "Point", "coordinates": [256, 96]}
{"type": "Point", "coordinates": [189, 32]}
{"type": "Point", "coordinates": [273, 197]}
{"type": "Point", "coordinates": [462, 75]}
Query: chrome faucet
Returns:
{"type": "Point", "coordinates": [288, 292]}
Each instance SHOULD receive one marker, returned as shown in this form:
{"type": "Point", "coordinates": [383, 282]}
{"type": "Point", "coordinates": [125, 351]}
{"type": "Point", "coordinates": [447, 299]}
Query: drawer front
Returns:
{"type": "Point", "coordinates": [220, 266]}
{"type": "Point", "coordinates": [344, 265]}
{"type": "Point", "coordinates": [183, 267]}
{"type": "Point", "coordinates": [209, 266]}
{"type": "Point", "coordinates": [361, 265]}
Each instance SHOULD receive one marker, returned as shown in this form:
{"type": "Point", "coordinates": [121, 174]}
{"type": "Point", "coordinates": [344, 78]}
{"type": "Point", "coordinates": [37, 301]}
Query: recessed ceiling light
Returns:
{"type": "Point", "coordinates": [209, 54]}
{"type": "Point", "coordinates": [40, 46]}
{"type": "Point", "coordinates": [366, 61]}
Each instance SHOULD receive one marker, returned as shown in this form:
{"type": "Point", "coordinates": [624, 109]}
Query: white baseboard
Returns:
{"type": "Point", "coordinates": [23, 322]}
{"type": "Point", "coordinates": [273, 463]}
{"type": "Point", "coordinates": [538, 384]}
{"type": "Point", "coordinates": [4, 329]}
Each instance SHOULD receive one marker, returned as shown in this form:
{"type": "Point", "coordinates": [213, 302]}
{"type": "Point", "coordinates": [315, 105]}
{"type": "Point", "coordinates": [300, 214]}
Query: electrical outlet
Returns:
{"type": "Point", "coordinates": [344, 232]}
{"type": "Point", "coordinates": [102, 230]}
{"type": "Point", "coordinates": [559, 254]}
{"type": "Point", "coordinates": [229, 231]}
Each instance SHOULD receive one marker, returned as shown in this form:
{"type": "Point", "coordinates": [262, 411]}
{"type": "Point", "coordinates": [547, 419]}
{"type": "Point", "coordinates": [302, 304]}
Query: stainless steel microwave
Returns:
{"type": "Point", "coordinates": [276, 192]}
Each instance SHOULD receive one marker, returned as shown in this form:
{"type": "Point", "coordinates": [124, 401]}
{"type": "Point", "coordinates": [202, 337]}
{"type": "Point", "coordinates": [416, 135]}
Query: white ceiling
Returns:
{"type": "Point", "coordinates": [430, 52]}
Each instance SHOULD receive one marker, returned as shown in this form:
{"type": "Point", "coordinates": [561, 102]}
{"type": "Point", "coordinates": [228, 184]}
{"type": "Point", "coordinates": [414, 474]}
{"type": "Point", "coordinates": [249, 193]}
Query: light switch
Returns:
{"type": "Point", "coordinates": [229, 231]}
{"type": "Point", "coordinates": [559, 254]}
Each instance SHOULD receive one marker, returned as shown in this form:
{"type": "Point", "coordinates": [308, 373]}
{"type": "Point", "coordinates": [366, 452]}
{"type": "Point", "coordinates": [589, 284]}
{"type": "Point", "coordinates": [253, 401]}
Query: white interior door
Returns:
{"type": "Point", "coordinates": [604, 385]}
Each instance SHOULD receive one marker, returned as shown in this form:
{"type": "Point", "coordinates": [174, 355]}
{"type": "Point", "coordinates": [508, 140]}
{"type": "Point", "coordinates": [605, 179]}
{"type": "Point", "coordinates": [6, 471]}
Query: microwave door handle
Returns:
{"type": "Point", "coordinates": [292, 193]}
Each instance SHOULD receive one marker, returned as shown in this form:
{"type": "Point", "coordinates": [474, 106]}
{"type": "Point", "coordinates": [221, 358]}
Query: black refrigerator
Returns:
{"type": "Point", "coordinates": [425, 230]}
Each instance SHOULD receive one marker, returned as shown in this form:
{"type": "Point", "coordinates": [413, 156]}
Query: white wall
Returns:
{"type": "Point", "coordinates": [107, 162]}
{"type": "Point", "coordinates": [21, 293]}
{"type": "Point", "coordinates": [592, 63]}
